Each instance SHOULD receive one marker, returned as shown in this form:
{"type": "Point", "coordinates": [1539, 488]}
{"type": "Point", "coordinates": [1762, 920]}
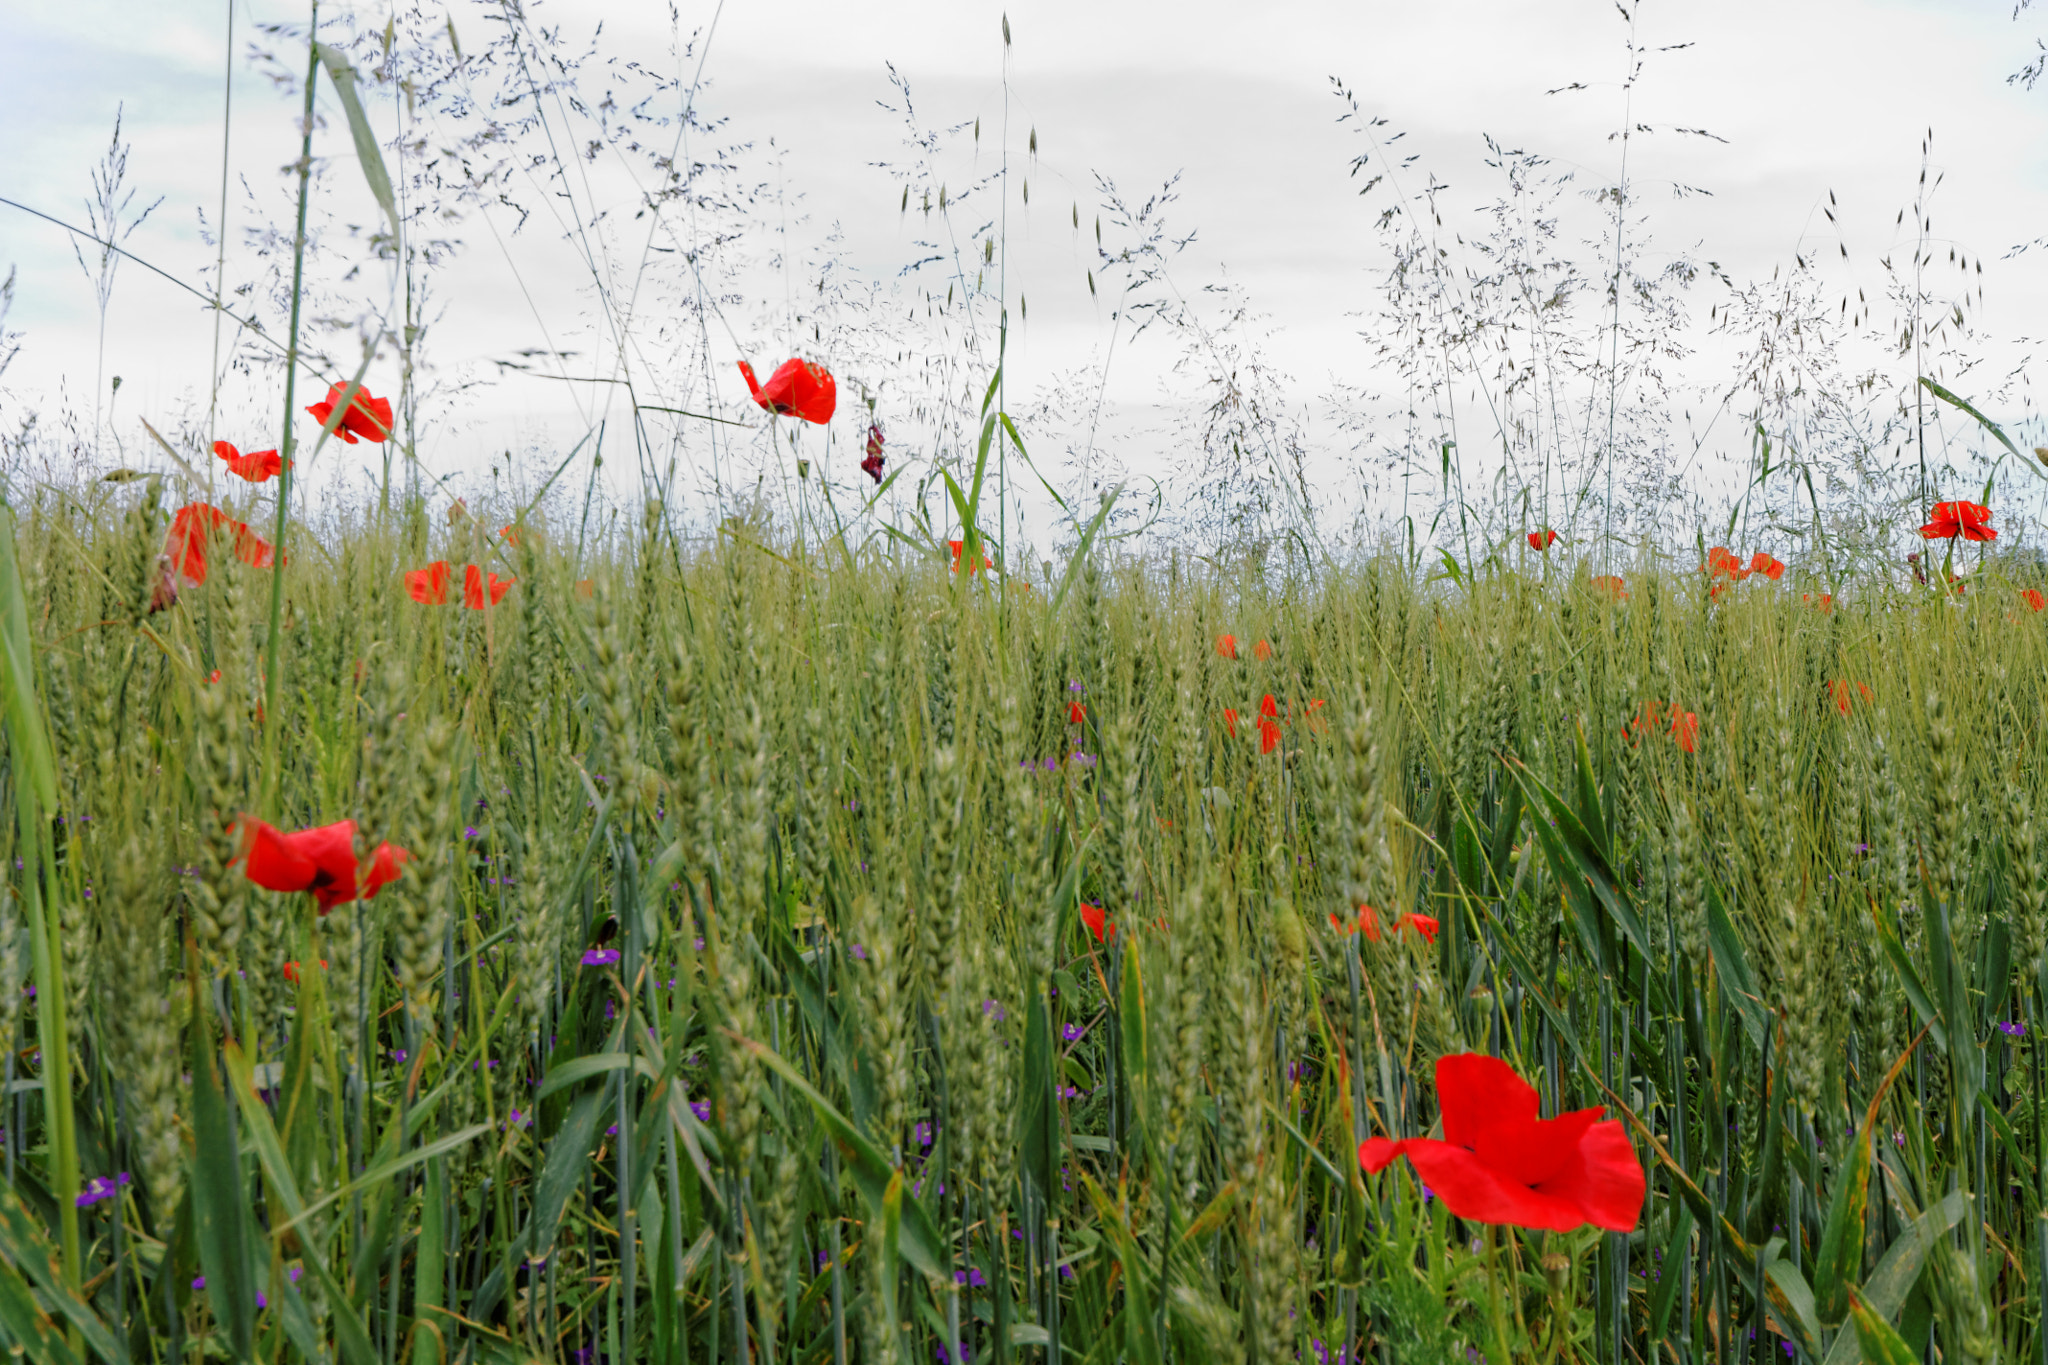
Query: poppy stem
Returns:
{"type": "Point", "coordinates": [273, 682]}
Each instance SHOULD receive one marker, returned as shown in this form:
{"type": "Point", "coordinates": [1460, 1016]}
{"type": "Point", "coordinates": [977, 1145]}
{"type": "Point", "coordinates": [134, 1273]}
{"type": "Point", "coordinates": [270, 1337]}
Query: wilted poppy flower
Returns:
{"type": "Point", "coordinates": [872, 465]}
{"type": "Point", "coordinates": [185, 546]}
{"type": "Point", "coordinates": [367, 418]}
{"type": "Point", "coordinates": [2032, 597]}
{"type": "Point", "coordinates": [1262, 650]}
{"type": "Point", "coordinates": [1097, 922]}
{"type": "Point", "coordinates": [457, 510]}
{"type": "Point", "coordinates": [291, 970]}
{"type": "Point", "coordinates": [1611, 584]}
{"type": "Point", "coordinates": [1767, 566]}
{"type": "Point", "coordinates": [1543, 539]}
{"type": "Point", "coordinates": [1226, 645]}
{"type": "Point", "coordinates": [428, 586]}
{"type": "Point", "coordinates": [959, 547]}
{"type": "Point", "coordinates": [322, 861]}
{"type": "Point", "coordinates": [257, 466]}
{"type": "Point", "coordinates": [798, 388]}
{"type": "Point", "coordinates": [1499, 1163]}
{"type": "Point", "coordinates": [473, 588]}
{"type": "Point", "coordinates": [1971, 520]}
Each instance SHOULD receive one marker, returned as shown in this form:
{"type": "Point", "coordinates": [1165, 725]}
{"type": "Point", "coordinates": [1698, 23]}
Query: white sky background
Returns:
{"type": "Point", "coordinates": [1815, 96]}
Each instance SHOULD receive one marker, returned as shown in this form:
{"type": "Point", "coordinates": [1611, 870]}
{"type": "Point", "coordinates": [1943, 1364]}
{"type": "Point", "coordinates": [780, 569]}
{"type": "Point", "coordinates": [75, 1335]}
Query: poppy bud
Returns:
{"type": "Point", "coordinates": [1557, 1271]}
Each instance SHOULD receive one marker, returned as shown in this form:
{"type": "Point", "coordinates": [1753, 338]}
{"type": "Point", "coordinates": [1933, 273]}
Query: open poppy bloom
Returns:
{"type": "Point", "coordinates": [291, 970]}
{"type": "Point", "coordinates": [872, 465]}
{"type": "Point", "coordinates": [1262, 650]}
{"type": "Point", "coordinates": [1226, 645]}
{"type": "Point", "coordinates": [1543, 539]}
{"type": "Point", "coordinates": [473, 588]}
{"type": "Point", "coordinates": [322, 861]}
{"type": "Point", "coordinates": [1097, 922]}
{"type": "Point", "coordinates": [1767, 566]}
{"type": "Point", "coordinates": [185, 547]}
{"type": "Point", "coordinates": [959, 547]}
{"type": "Point", "coordinates": [428, 586]}
{"type": "Point", "coordinates": [2032, 597]}
{"type": "Point", "coordinates": [1077, 713]}
{"type": "Point", "coordinates": [1368, 923]}
{"type": "Point", "coordinates": [1970, 520]}
{"type": "Point", "coordinates": [1498, 1163]}
{"type": "Point", "coordinates": [798, 388]}
{"type": "Point", "coordinates": [1612, 585]}
{"type": "Point", "coordinates": [257, 466]}
{"type": "Point", "coordinates": [367, 418]}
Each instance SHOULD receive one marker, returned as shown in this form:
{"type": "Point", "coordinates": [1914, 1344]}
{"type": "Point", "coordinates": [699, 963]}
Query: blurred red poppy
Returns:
{"type": "Point", "coordinates": [1269, 708]}
{"type": "Point", "coordinates": [1262, 650]}
{"type": "Point", "coordinates": [473, 588]}
{"type": "Point", "coordinates": [1825, 604]}
{"type": "Point", "coordinates": [1368, 923]}
{"type": "Point", "coordinates": [1971, 520]}
{"type": "Point", "coordinates": [798, 388]}
{"type": "Point", "coordinates": [872, 465]}
{"type": "Point", "coordinates": [1226, 645]}
{"type": "Point", "coordinates": [2032, 597]}
{"type": "Point", "coordinates": [516, 535]}
{"type": "Point", "coordinates": [1767, 566]}
{"type": "Point", "coordinates": [1097, 922]}
{"type": "Point", "coordinates": [367, 418]}
{"type": "Point", "coordinates": [1499, 1163]}
{"type": "Point", "coordinates": [291, 970]}
{"type": "Point", "coordinates": [1077, 713]}
{"type": "Point", "coordinates": [1685, 728]}
{"type": "Point", "coordinates": [321, 860]}
{"type": "Point", "coordinates": [428, 586]}
{"type": "Point", "coordinates": [959, 547]}
{"type": "Point", "coordinates": [1840, 690]}
{"type": "Point", "coordinates": [1612, 585]}
{"type": "Point", "coordinates": [1230, 721]}
{"type": "Point", "coordinates": [1319, 724]}
{"type": "Point", "coordinates": [1269, 735]}
{"type": "Point", "coordinates": [257, 466]}
{"type": "Point", "coordinates": [1543, 539]}
{"type": "Point", "coordinates": [192, 524]}
{"type": "Point", "coordinates": [586, 587]}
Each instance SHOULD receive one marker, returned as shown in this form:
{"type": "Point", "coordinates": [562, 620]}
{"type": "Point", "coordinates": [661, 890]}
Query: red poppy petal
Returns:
{"type": "Point", "coordinates": [753, 384]}
{"type": "Point", "coordinates": [1376, 1154]}
{"type": "Point", "coordinates": [1476, 1092]}
{"type": "Point", "coordinates": [1605, 1180]}
{"type": "Point", "coordinates": [1531, 1153]}
{"type": "Point", "coordinates": [1268, 707]}
{"type": "Point", "coordinates": [271, 860]}
{"type": "Point", "coordinates": [385, 867]}
{"type": "Point", "coordinates": [1473, 1190]}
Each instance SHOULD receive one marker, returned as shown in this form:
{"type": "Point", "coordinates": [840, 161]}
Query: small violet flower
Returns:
{"type": "Point", "coordinates": [600, 957]}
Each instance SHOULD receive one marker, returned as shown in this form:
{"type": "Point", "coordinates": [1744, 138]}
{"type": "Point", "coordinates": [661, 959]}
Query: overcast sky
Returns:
{"type": "Point", "coordinates": [1805, 98]}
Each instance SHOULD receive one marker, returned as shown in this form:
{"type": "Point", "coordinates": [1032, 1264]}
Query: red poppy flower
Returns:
{"type": "Point", "coordinates": [1318, 724]}
{"type": "Point", "coordinates": [1719, 560]}
{"type": "Point", "coordinates": [1262, 650]}
{"type": "Point", "coordinates": [367, 418]}
{"type": "Point", "coordinates": [872, 465]}
{"type": "Point", "coordinates": [1612, 585]}
{"type": "Point", "coordinates": [1424, 925]}
{"type": "Point", "coordinates": [185, 547]}
{"type": "Point", "coordinates": [1826, 603]}
{"type": "Point", "coordinates": [1767, 566]}
{"type": "Point", "coordinates": [322, 861]}
{"type": "Point", "coordinates": [257, 466]}
{"type": "Point", "coordinates": [1097, 922]}
{"type": "Point", "coordinates": [1839, 689]}
{"type": "Point", "coordinates": [798, 388]}
{"type": "Point", "coordinates": [1685, 728]}
{"type": "Point", "coordinates": [1971, 520]}
{"type": "Point", "coordinates": [473, 588]}
{"type": "Point", "coordinates": [1226, 645]}
{"type": "Point", "coordinates": [959, 547]}
{"type": "Point", "coordinates": [516, 535]}
{"type": "Point", "coordinates": [428, 586]}
{"type": "Point", "coordinates": [586, 587]}
{"type": "Point", "coordinates": [1230, 721]}
{"type": "Point", "coordinates": [1269, 708]}
{"type": "Point", "coordinates": [291, 970]}
{"type": "Point", "coordinates": [1368, 923]}
{"type": "Point", "coordinates": [1077, 713]}
{"type": "Point", "coordinates": [1543, 539]}
{"type": "Point", "coordinates": [1499, 1163]}
{"type": "Point", "coordinates": [1269, 735]}
{"type": "Point", "coordinates": [214, 676]}
{"type": "Point", "coordinates": [2032, 597]}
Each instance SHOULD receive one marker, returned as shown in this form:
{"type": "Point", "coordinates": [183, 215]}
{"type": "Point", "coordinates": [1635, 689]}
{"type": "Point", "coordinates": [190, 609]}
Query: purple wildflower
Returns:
{"type": "Point", "coordinates": [600, 957]}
